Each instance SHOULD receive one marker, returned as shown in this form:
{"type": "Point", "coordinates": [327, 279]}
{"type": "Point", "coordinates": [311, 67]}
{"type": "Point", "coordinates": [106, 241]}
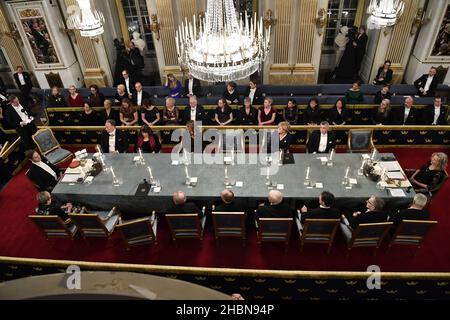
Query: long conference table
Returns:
{"type": "Point", "coordinates": [101, 194]}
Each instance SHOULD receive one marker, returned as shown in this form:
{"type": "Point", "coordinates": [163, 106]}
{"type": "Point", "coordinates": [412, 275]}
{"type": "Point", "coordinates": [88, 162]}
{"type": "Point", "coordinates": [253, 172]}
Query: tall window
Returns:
{"type": "Point", "coordinates": [340, 13]}
{"type": "Point", "coordinates": [136, 14]}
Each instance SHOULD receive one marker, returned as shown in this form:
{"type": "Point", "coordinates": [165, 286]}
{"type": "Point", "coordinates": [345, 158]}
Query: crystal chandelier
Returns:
{"type": "Point", "coordinates": [89, 22]}
{"type": "Point", "coordinates": [223, 47]}
{"type": "Point", "coordinates": [384, 13]}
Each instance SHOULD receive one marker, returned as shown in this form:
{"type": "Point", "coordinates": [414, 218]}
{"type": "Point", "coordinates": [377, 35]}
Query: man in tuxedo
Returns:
{"type": "Point", "coordinates": [23, 82]}
{"type": "Point", "coordinates": [42, 173]}
{"type": "Point", "coordinates": [113, 140]}
{"type": "Point", "coordinates": [39, 37]}
{"type": "Point", "coordinates": [435, 114]}
{"type": "Point", "coordinates": [128, 82]}
{"type": "Point", "coordinates": [192, 87]}
{"type": "Point", "coordinates": [360, 44]}
{"type": "Point", "coordinates": [19, 118]}
{"type": "Point", "coordinates": [407, 115]}
{"type": "Point", "coordinates": [321, 141]}
{"type": "Point", "coordinates": [276, 209]}
{"type": "Point", "coordinates": [180, 205]}
{"type": "Point", "coordinates": [416, 211]}
{"type": "Point", "coordinates": [136, 59]}
{"type": "Point", "coordinates": [193, 112]}
{"type": "Point", "coordinates": [139, 94]}
{"type": "Point", "coordinates": [229, 203]}
{"type": "Point", "coordinates": [324, 211]}
{"type": "Point", "coordinates": [426, 85]}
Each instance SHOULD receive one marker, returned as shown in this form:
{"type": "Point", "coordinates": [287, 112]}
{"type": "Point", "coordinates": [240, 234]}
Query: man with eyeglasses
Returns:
{"type": "Point", "coordinates": [18, 117]}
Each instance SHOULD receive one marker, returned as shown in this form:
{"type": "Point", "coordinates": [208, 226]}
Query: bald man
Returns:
{"type": "Point", "coordinates": [276, 209]}
{"type": "Point", "coordinates": [406, 115]}
{"type": "Point", "coordinates": [229, 203]}
{"type": "Point", "coordinates": [180, 204]}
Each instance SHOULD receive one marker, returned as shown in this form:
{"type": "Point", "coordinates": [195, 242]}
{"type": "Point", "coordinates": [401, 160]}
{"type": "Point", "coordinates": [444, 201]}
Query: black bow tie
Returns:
{"type": "Point", "coordinates": [112, 134]}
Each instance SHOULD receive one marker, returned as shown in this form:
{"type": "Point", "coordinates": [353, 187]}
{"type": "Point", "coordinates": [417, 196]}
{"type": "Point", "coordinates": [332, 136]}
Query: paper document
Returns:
{"type": "Point", "coordinates": [397, 192]}
{"type": "Point", "coordinates": [391, 165]}
{"type": "Point", "coordinates": [396, 175]}
{"type": "Point", "coordinates": [70, 178]}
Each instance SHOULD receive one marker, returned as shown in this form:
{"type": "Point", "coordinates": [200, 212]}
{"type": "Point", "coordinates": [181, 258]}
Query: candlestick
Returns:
{"type": "Point", "coordinates": [372, 157]}
{"type": "Point", "coordinates": [307, 173]}
{"type": "Point", "coordinates": [113, 174]}
{"type": "Point", "coordinates": [186, 172]}
{"type": "Point", "coordinates": [331, 154]}
{"type": "Point", "coordinates": [347, 172]}
{"type": "Point", "coordinates": [140, 154]}
{"type": "Point", "coordinates": [98, 149]}
{"type": "Point", "coordinates": [226, 172]}
{"type": "Point", "coordinates": [150, 173]}
{"type": "Point", "coordinates": [185, 156]}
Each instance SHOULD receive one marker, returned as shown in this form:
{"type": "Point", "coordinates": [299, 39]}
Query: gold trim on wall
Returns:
{"type": "Point", "coordinates": [122, 21]}
{"type": "Point", "coordinates": [360, 10]}
{"type": "Point", "coordinates": [167, 31]}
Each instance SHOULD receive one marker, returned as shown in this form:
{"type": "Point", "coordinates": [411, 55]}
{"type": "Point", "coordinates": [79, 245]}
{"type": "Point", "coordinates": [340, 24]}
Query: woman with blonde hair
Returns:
{"type": "Point", "coordinates": [174, 86]}
{"type": "Point", "coordinates": [120, 94]}
{"type": "Point", "coordinates": [284, 137]}
{"type": "Point", "coordinates": [382, 114]}
{"type": "Point", "coordinates": [430, 176]}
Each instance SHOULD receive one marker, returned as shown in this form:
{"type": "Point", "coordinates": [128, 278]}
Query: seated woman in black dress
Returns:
{"type": "Point", "coordinates": [109, 113]}
{"type": "Point", "coordinates": [89, 116]}
{"type": "Point", "coordinates": [430, 175]}
{"type": "Point", "coordinates": [147, 141]}
{"type": "Point", "coordinates": [248, 115]}
{"type": "Point", "coordinates": [231, 95]}
{"type": "Point", "coordinates": [267, 113]}
{"type": "Point", "coordinates": [354, 94]}
{"type": "Point", "coordinates": [284, 136]}
{"type": "Point", "coordinates": [189, 137]}
{"type": "Point", "coordinates": [49, 207]}
{"type": "Point", "coordinates": [224, 113]}
{"type": "Point", "coordinates": [56, 99]}
{"type": "Point", "coordinates": [384, 74]}
{"type": "Point", "coordinates": [290, 113]}
{"type": "Point", "coordinates": [150, 114]}
{"type": "Point", "coordinates": [120, 94]}
{"type": "Point", "coordinates": [339, 115]}
{"type": "Point", "coordinates": [312, 115]}
{"type": "Point", "coordinates": [382, 114]}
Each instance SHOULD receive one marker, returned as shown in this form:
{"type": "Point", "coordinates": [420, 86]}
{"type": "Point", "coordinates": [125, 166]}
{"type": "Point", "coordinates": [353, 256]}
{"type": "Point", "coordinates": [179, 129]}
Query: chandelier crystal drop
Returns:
{"type": "Point", "coordinates": [222, 48]}
{"type": "Point", "coordinates": [89, 22]}
{"type": "Point", "coordinates": [384, 13]}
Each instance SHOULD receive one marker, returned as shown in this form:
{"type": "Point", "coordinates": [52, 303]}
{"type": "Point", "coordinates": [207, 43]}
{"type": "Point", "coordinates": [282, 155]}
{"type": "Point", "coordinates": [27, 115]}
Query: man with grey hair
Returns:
{"type": "Point", "coordinates": [113, 140]}
{"type": "Point", "coordinates": [406, 115]}
{"type": "Point", "coordinates": [321, 141]}
{"type": "Point", "coordinates": [416, 211]}
{"type": "Point", "coordinates": [276, 209]}
{"type": "Point", "coordinates": [229, 203]}
{"type": "Point", "coordinates": [180, 204]}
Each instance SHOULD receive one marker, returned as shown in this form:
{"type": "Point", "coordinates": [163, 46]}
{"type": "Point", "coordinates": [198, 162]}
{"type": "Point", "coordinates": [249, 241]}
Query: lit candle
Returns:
{"type": "Point", "coordinates": [281, 156]}
{"type": "Point", "coordinates": [307, 173]}
{"type": "Point", "coordinates": [268, 173]}
{"type": "Point", "coordinates": [113, 174]}
{"type": "Point", "coordinates": [372, 157]}
{"type": "Point", "coordinates": [331, 154]}
{"type": "Point", "coordinates": [150, 173]}
{"type": "Point", "coordinates": [186, 172]}
{"type": "Point", "coordinates": [140, 154]}
{"type": "Point", "coordinates": [226, 172]}
{"type": "Point", "coordinates": [98, 149]}
{"type": "Point", "coordinates": [347, 172]}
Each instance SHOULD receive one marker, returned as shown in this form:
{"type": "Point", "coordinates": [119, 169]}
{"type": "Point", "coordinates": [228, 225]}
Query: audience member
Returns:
{"type": "Point", "coordinates": [254, 93]}
{"type": "Point", "coordinates": [267, 113]}
{"type": "Point", "coordinates": [150, 114]}
{"type": "Point", "coordinates": [248, 115]}
{"type": "Point", "coordinates": [381, 115]}
{"type": "Point", "coordinates": [128, 113]}
{"type": "Point", "coordinates": [139, 95]}
{"type": "Point", "coordinates": [435, 114]}
{"type": "Point", "coordinates": [147, 141]}
{"type": "Point", "coordinates": [339, 115]}
{"type": "Point", "coordinates": [120, 95]}
{"type": "Point", "coordinates": [174, 86]}
{"type": "Point", "coordinates": [23, 81]}
{"type": "Point", "coordinates": [290, 112]}
{"type": "Point", "coordinates": [384, 74]}
{"type": "Point", "coordinates": [109, 113]}
{"type": "Point", "coordinates": [192, 87]}
{"type": "Point", "coordinates": [384, 93]}
{"type": "Point", "coordinates": [55, 99]}
{"type": "Point", "coordinates": [354, 94]}
{"type": "Point", "coordinates": [170, 112]}
{"type": "Point", "coordinates": [224, 114]}
{"type": "Point", "coordinates": [75, 100]}
{"type": "Point", "coordinates": [313, 114]}
{"type": "Point", "coordinates": [426, 85]}
{"type": "Point", "coordinates": [95, 98]}
{"type": "Point", "coordinates": [406, 115]}
{"type": "Point", "coordinates": [89, 116]}
{"type": "Point", "coordinates": [193, 112]}
{"type": "Point", "coordinates": [231, 95]}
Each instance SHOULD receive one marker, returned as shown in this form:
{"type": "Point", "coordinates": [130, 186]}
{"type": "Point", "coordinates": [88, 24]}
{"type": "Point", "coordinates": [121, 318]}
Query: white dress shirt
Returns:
{"type": "Point", "coordinates": [428, 84]}
{"type": "Point", "coordinates": [407, 110]}
{"type": "Point", "coordinates": [26, 119]}
{"type": "Point", "coordinates": [323, 142]}
{"type": "Point", "coordinates": [251, 95]}
{"type": "Point", "coordinates": [21, 79]}
{"type": "Point", "coordinates": [112, 141]}
{"type": "Point", "coordinates": [47, 168]}
{"type": "Point", "coordinates": [437, 113]}
{"type": "Point", "coordinates": [139, 98]}
{"type": "Point", "coordinates": [191, 86]}
{"type": "Point", "coordinates": [127, 85]}
{"type": "Point", "coordinates": [193, 113]}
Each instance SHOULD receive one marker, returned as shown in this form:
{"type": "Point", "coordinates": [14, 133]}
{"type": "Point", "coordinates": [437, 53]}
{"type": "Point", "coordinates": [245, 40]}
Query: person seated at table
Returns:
{"type": "Point", "coordinates": [384, 93]}
{"type": "Point", "coordinates": [174, 86]}
{"type": "Point", "coordinates": [285, 138]}
{"type": "Point", "coordinates": [430, 175]}
{"type": "Point", "coordinates": [128, 113]}
{"type": "Point", "coordinates": [231, 95]}
{"type": "Point", "coordinates": [339, 115]}
{"type": "Point", "coordinates": [42, 173]}
{"type": "Point", "coordinates": [224, 114]}
{"type": "Point", "coordinates": [47, 206]}
{"type": "Point", "coordinates": [313, 114]}
{"type": "Point", "coordinates": [290, 112]}
{"type": "Point", "coordinates": [321, 141]}
{"type": "Point", "coordinates": [56, 99]}
{"type": "Point", "coordinates": [88, 116]}
{"type": "Point", "coordinates": [248, 115]}
{"type": "Point", "coordinates": [372, 212]}
{"type": "Point", "coordinates": [384, 74]}
{"type": "Point", "coordinates": [324, 211]}
{"type": "Point", "coordinates": [354, 94]}
{"type": "Point", "coordinates": [435, 114]}
{"type": "Point", "coordinates": [120, 94]}
{"type": "Point", "coordinates": [381, 115]}
{"type": "Point", "coordinates": [406, 115]}
{"type": "Point", "coordinates": [113, 140]}
{"type": "Point", "coordinates": [267, 113]}
{"type": "Point", "coordinates": [276, 208]}
{"type": "Point", "coordinates": [96, 98]}
{"type": "Point", "coordinates": [171, 115]}
{"type": "Point", "coordinates": [181, 206]}
{"type": "Point", "coordinates": [254, 92]}
{"type": "Point", "coordinates": [109, 113]}
{"type": "Point", "coordinates": [150, 114]}
{"type": "Point", "coordinates": [229, 203]}
{"type": "Point", "coordinates": [193, 112]}
{"type": "Point", "coordinates": [147, 141]}
{"type": "Point", "coordinates": [416, 211]}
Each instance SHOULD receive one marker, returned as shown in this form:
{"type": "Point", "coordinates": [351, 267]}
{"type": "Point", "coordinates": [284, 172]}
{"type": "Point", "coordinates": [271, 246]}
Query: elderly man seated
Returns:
{"type": "Point", "coordinates": [229, 203]}
{"type": "Point", "coordinates": [276, 208]}
{"type": "Point", "coordinates": [180, 205]}
{"type": "Point", "coordinates": [416, 211]}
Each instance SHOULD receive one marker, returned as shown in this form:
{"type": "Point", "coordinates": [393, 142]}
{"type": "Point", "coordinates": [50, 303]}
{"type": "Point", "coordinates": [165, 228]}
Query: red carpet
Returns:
{"type": "Point", "coordinates": [20, 238]}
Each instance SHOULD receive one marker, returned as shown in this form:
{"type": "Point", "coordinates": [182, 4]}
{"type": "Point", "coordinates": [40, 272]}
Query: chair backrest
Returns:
{"type": "Point", "coordinates": [229, 224]}
{"type": "Point", "coordinates": [46, 141]}
{"type": "Point", "coordinates": [275, 229]}
{"type": "Point", "coordinates": [360, 140]}
{"type": "Point", "coordinates": [369, 234]}
{"type": "Point", "coordinates": [440, 184]}
{"type": "Point", "coordinates": [412, 231]}
{"type": "Point", "coordinates": [137, 232]}
{"type": "Point", "coordinates": [319, 230]}
{"type": "Point", "coordinates": [184, 225]}
{"type": "Point", "coordinates": [52, 226]}
{"type": "Point", "coordinates": [90, 225]}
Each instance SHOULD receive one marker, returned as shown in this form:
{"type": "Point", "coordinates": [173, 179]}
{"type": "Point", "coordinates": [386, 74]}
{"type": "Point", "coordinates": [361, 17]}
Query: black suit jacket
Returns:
{"type": "Point", "coordinates": [145, 95]}
{"type": "Point", "coordinates": [387, 77]}
{"type": "Point", "coordinates": [234, 206]}
{"type": "Point", "coordinates": [13, 118]}
{"type": "Point", "coordinates": [428, 116]}
{"type": "Point", "coordinates": [132, 83]}
{"type": "Point", "coordinates": [321, 213]}
{"type": "Point", "coordinates": [281, 210]}
{"type": "Point", "coordinates": [41, 178]}
{"type": "Point", "coordinates": [114, 115]}
{"type": "Point", "coordinates": [420, 83]}
{"type": "Point", "coordinates": [399, 116]}
{"type": "Point", "coordinates": [188, 207]}
{"type": "Point", "coordinates": [121, 142]}
{"type": "Point", "coordinates": [366, 217]}
{"type": "Point", "coordinates": [199, 114]}
{"type": "Point", "coordinates": [409, 214]}
{"type": "Point", "coordinates": [28, 85]}
{"type": "Point", "coordinates": [314, 141]}
{"type": "Point", "coordinates": [196, 88]}
{"type": "Point", "coordinates": [258, 98]}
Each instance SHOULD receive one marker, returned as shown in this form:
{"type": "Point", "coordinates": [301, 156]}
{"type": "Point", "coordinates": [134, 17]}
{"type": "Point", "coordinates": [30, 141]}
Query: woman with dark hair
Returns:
{"type": "Point", "coordinates": [384, 74]}
{"type": "Point", "coordinates": [382, 114]}
{"type": "Point", "coordinates": [312, 115]}
{"type": "Point", "coordinates": [339, 115]}
{"type": "Point", "coordinates": [56, 99]}
{"type": "Point", "coordinates": [224, 113]}
{"type": "Point", "coordinates": [89, 116]}
{"type": "Point", "coordinates": [430, 175]}
{"type": "Point", "coordinates": [128, 114]}
{"type": "Point", "coordinates": [174, 86]}
{"type": "Point", "coordinates": [354, 94]}
{"type": "Point", "coordinates": [248, 115]}
{"type": "Point", "coordinates": [290, 113]}
{"type": "Point", "coordinates": [384, 93]}
{"type": "Point", "coordinates": [147, 141]}
{"type": "Point", "coordinates": [231, 95]}
{"type": "Point", "coordinates": [96, 98]}
{"type": "Point", "coordinates": [150, 114]}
